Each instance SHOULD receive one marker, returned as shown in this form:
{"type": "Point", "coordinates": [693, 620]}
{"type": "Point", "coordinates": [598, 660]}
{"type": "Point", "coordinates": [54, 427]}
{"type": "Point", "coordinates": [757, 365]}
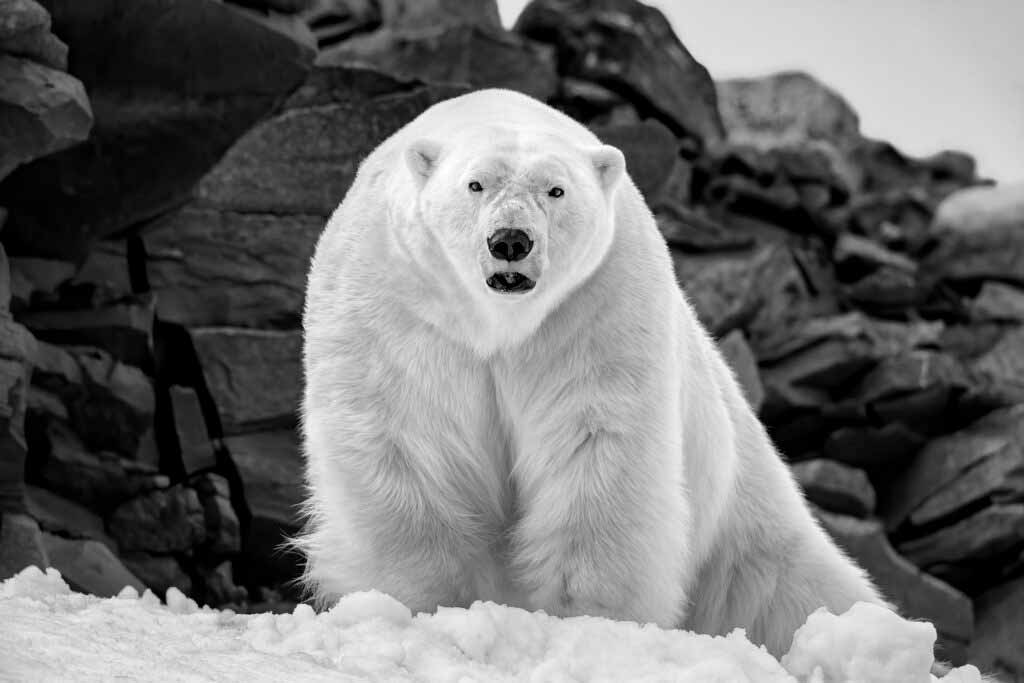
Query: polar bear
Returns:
{"type": "Point", "coordinates": [509, 398]}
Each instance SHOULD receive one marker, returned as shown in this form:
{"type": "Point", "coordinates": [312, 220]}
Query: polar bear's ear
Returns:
{"type": "Point", "coordinates": [609, 164]}
{"type": "Point", "coordinates": [422, 158]}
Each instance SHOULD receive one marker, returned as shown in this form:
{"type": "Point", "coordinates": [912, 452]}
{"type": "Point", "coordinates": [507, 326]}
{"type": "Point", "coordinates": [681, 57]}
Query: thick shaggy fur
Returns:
{"type": "Point", "coordinates": [582, 448]}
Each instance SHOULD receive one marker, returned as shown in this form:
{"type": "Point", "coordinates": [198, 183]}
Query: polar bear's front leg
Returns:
{"type": "Point", "coordinates": [602, 530]}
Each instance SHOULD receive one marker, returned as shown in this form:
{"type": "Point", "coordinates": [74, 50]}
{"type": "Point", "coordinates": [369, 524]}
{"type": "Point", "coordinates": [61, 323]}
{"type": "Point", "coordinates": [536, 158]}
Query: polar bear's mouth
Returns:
{"type": "Point", "coordinates": [510, 282]}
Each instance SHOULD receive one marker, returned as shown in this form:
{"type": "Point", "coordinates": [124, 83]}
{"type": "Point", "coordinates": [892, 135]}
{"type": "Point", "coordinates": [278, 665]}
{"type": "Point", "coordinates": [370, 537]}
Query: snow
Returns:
{"type": "Point", "coordinates": [49, 633]}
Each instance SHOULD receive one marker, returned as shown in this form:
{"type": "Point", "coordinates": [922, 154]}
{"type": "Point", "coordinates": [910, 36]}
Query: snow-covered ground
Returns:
{"type": "Point", "coordinates": [49, 633]}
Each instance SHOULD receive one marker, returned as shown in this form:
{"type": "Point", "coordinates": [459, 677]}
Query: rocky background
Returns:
{"type": "Point", "coordinates": [167, 166]}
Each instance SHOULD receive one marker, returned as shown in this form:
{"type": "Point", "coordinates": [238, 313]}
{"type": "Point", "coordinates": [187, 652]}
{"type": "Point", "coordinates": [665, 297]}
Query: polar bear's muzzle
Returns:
{"type": "Point", "coordinates": [510, 282]}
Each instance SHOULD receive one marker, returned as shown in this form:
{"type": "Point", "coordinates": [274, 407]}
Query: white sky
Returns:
{"type": "Point", "coordinates": [924, 74]}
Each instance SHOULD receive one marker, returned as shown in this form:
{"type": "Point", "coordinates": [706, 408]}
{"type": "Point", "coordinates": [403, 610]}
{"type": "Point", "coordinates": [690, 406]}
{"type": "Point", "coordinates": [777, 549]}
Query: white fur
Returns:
{"type": "Point", "coordinates": [581, 448]}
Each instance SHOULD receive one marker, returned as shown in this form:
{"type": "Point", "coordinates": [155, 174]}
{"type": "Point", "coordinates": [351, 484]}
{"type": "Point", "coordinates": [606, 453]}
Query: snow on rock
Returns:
{"type": "Point", "coordinates": [48, 633]}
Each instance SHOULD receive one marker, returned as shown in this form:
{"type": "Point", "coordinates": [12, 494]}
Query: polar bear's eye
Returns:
{"type": "Point", "coordinates": [474, 186]}
{"type": "Point", "coordinates": [556, 192]}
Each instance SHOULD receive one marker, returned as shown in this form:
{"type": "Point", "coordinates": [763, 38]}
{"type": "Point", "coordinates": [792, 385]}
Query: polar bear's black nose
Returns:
{"type": "Point", "coordinates": [509, 244]}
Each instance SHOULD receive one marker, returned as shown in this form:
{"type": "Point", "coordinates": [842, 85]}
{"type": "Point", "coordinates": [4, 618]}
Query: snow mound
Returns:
{"type": "Point", "coordinates": [49, 633]}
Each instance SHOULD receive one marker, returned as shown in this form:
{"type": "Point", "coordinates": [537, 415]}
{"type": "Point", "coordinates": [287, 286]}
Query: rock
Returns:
{"type": "Point", "coordinates": [17, 349]}
{"type": "Point", "coordinates": [25, 32]}
{"type": "Point", "coordinates": [792, 186]}
{"type": "Point", "coordinates": [99, 481]}
{"type": "Point", "coordinates": [193, 440]}
{"type": "Point", "coordinates": [271, 195]}
{"type": "Point", "coordinates": [219, 585]}
{"type": "Point", "coordinates": [957, 471]}
{"type": "Point", "coordinates": [693, 231]}
{"type": "Point", "coordinates": [110, 405]}
{"type": "Point", "coordinates": [898, 219]}
{"type": "Point", "coordinates": [89, 566]}
{"type": "Point", "coordinates": [917, 388]}
{"type": "Point", "coordinates": [836, 487]}
{"type": "Point", "coordinates": [123, 329]}
{"type": "Point", "coordinates": [786, 107]}
{"type": "Point", "coordinates": [887, 290]}
{"type": "Point", "coordinates": [58, 515]}
{"type": "Point", "coordinates": [998, 302]}
{"type": "Point", "coordinates": [6, 293]}
{"type": "Point", "coordinates": [161, 521]}
{"type": "Point", "coordinates": [885, 448]}
{"type": "Point", "coordinates": [454, 53]}
{"type": "Point", "coordinates": [223, 536]}
{"type": "Point", "coordinates": [999, 631]}
{"type": "Point", "coordinates": [886, 338]}
{"type": "Point", "coordinates": [35, 279]}
{"type": "Point", "coordinates": [1003, 364]}
{"type": "Point", "coordinates": [856, 256]}
{"type": "Point", "coordinates": [333, 21]}
{"type": "Point", "coordinates": [167, 113]}
{"type": "Point", "coordinates": [651, 153]}
{"type": "Point", "coordinates": [762, 289]}
{"type": "Point", "coordinates": [21, 544]}
{"type": "Point", "coordinates": [44, 110]}
{"type": "Point", "coordinates": [882, 165]}
{"type": "Point", "coordinates": [629, 48]}
{"type": "Point", "coordinates": [985, 537]}
{"type": "Point", "coordinates": [270, 465]}
{"type": "Point", "coordinates": [916, 594]}
{"type": "Point", "coordinates": [158, 572]}
{"type": "Point", "coordinates": [741, 359]}
{"type": "Point", "coordinates": [255, 376]}
{"type": "Point", "coordinates": [979, 236]}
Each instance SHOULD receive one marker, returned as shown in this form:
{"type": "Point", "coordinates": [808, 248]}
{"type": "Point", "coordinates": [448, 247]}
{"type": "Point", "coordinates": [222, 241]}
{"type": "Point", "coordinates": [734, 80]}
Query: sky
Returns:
{"type": "Point", "coordinates": [926, 75]}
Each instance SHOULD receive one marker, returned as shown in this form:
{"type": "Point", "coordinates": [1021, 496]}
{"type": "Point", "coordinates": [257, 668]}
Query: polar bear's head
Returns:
{"type": "Point", "coordinates": [522, 217]}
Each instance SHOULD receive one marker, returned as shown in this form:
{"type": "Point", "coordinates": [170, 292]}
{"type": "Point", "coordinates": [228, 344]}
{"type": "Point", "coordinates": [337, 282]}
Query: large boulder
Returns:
{"type": "Point", "coordinates": [980, 236]}
{"type": "Point", "coordinates": [454, 53]}
{"type": "Point", "coordinates": [785, 108]}
{"type": "Point", "coordinates": [165, 112]}
{"type": "Point", "coordinates": [629, 48]}
{"type": "Point", "coordinates": [25, 32]}
{"type": "Point", "coordinates": [237, 254]}
{"type": "Point", "coordinates": [44, 110]}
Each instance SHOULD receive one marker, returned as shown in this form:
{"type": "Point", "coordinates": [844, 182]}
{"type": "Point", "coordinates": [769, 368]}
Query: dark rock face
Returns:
{"type": "Point", "coordinates": [254, 375]}
{"type": "Point", "coordinates": [164, 114]}
{"type": "Point", "coordinates": [238, 253]}
{"type": "Point", "coordinates": [630, 49]}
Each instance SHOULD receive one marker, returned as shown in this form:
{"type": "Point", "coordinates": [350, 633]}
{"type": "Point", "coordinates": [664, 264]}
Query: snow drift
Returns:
{"type": "Point", "coordinates": [49, 633]}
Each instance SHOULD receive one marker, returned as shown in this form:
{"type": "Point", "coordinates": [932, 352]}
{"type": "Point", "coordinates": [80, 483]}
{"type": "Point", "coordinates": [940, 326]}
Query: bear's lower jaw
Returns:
{"type": "Point", "coordinates": [510, 283]}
